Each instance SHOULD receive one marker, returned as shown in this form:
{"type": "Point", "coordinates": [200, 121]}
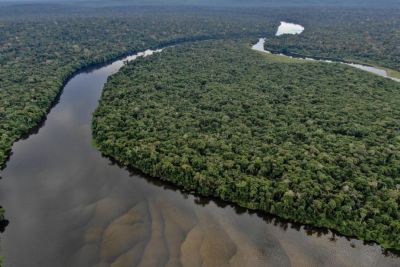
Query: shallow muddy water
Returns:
{"type": "Point", "coordinates": [69, 206]}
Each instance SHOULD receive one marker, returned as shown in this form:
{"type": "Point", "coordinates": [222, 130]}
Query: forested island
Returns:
{"type": "Point", "coordinates": [315, 143]}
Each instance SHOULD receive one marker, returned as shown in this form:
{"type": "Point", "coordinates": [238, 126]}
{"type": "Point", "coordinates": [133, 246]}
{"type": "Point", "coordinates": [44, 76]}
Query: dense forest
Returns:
{"type": "Point", "coordinates": [315, 143]}
{"type": "Point", "coordinates": [38, 55]}
{"type": "Point", "coordinates": [367, 36]}
{"type": "Point", "coordinates": [42, 45]}
{"type": "Point", "coordinates": [286, 138]}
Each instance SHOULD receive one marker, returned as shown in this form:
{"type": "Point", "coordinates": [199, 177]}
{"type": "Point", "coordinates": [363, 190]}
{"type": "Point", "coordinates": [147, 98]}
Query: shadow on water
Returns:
{"type": "Point", "coordinates": [3, 225]}
{"type": "Point", "coordinates": [3, 222]}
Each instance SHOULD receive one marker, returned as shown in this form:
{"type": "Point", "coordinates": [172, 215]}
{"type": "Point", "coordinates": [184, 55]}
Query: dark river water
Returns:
{"type": "Point", "coordinates": [69, 206]}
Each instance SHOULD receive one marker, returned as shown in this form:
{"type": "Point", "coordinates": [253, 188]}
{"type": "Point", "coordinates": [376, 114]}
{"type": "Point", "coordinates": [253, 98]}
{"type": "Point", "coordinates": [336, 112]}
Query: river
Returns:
{"type": "Point", "coordinates": [290, 28]}
{"type": "Point", "coordinates": [70, 206]}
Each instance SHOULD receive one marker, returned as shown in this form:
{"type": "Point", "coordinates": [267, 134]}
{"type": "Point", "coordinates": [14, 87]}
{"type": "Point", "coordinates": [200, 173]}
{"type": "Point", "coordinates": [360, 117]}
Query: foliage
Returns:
{"type": "Point", "coordinates": [313, 142]}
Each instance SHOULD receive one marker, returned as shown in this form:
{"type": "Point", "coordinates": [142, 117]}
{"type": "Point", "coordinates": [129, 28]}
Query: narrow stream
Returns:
{"type": "Point", "coordinates": [260, 46]}
{"type": "Point", "coordinates": [69, 206]}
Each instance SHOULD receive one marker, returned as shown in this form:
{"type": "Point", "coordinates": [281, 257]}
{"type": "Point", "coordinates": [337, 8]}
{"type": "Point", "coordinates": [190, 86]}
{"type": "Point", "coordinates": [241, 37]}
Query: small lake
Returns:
{"type": "Point", "coordinates": [289, 28]}
{"type": "Point", "coordinates": [70, 206]}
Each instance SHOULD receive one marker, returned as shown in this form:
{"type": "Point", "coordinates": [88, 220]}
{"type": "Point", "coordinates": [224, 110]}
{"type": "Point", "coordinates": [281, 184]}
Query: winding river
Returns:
{"type": "Point", "coordinates": [70, 206]}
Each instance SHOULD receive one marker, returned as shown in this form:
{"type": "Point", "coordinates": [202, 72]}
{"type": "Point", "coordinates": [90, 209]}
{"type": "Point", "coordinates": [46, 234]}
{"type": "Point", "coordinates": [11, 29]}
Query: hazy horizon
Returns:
{"type": "Point", "coordinates": [250, 3]}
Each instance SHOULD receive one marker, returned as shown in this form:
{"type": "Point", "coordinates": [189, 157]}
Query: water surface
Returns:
{"type": "Point", "coordinates": [69, 206]}
{"type": "Point", "coordinates": [289, 28]}
{"type": "Point", "coordinates": [377, 71]}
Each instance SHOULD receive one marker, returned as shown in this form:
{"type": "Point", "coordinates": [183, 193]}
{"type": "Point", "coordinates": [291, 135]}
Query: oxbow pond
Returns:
{"type": "Point", "coordinates": [289, 28]}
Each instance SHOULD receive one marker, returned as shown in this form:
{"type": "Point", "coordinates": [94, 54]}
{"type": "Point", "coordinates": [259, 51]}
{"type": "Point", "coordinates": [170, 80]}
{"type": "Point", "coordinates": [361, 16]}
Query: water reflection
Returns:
{"type": "Point", "coordinates": [70, 206]}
